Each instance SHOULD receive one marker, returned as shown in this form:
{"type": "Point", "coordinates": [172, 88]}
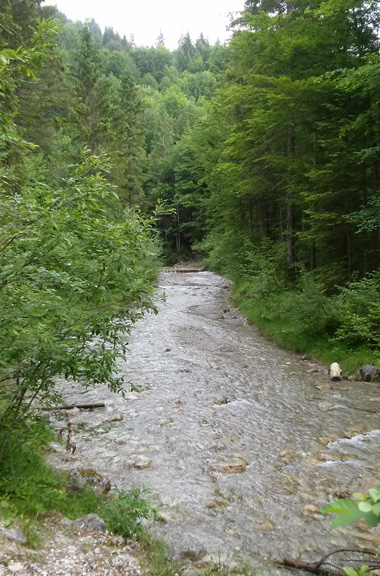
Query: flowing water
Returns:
{"type": "Point", "coordinates": [242, 442]}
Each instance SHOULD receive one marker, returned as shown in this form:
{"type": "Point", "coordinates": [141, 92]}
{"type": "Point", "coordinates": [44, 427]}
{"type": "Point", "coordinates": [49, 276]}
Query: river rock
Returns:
{"type": "Point", "coordinates": [217, 503]}
{"type": "Point", "coordinates": [72, 413]}
{"type": "Point", "coordinates": [165, 422]}
{"type": "Point", "coordinates": [82, 478]}
{"type": "Point", "coordinates": [266, 526]}
{"type": "Point", "coordinates": [369, 373]}
{"type": "Point", "coordinates": [234, 467]}
{"type": "Point", "coordinates": [310, 509]}
{"type": "Point", "coordinates": [139, 462]}
{"type": "Point", "coordinates": [193, 555]}
{"type": "Point", "coordinates": [89, 523]}
{"type": "Point", "coordinates": [13, 534]}
{"type": "Point", "coordinates": [114, 418]}
{"type": "Point", "coordinates": [327, 439]}
{"type": "Point", "coordinates": [335, 372]}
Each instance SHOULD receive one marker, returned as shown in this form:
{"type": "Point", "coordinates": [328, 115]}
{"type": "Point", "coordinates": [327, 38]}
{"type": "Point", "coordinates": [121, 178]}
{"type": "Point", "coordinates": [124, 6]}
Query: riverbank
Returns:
{"type": "Point", "coordinates": [306, 323]}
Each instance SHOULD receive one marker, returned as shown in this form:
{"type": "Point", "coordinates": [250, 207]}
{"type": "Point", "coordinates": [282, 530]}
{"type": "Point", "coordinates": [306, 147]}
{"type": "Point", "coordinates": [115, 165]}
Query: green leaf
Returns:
{"type": "Point", "coordinates": [359, 496]}
{"type": "Point", "coordinates": [376, 509]}
{"type": "Point", "coordinates": [348, 512]}
{"type": "Point", "coordinates": [350, 571]}
{"type": "Point", "coordinates": [375, 494]}
{"type": "Point", "coordinates": [365, 506]}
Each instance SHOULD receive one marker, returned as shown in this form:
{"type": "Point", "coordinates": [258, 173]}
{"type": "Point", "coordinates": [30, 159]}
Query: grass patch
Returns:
{"type": "Point", "coordinates": [156, 558]}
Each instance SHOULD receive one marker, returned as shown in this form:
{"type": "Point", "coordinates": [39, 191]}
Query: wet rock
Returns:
{"type": "Point", "coordinates": [327, 439]}
{"type": "Point", "coordinates": [284, 458]}
{"type": "Point", "coordinates": [165, 422]}
{"type": "Point", "coordinates": [220, 446]}
{"type": "Point", "coordinates": [13, 534]}
{"type": "Point", "coordinates": [114, 418]}
{"type": "Point", "coordinates": [310, 509]}
{"type": "Point", "coordinates": [335, 372]}
{"type": "Point", "coordinates": [166, 516]}
{"type": "Point", "coordinates": [326, 406]}
{"type": "Point", "coordinates": [82, 478]}
{"type": "Point", "coordinates": [323, 387]}
{"type": "Point", "coordinates": [217, 503]}
{"type": "Point", "coordinates": [193, 555]}
{"type": "Point", "coordinates": [266, 526]}
{"type": "Point", "coordinates": [233, 467]}
{"type": "Point", "coordinates": [221, 401]}
{"type": "Point", "coordinates": [348, 457]}
{"type": "Point", "coordinates": [89, 523]}
{"type": "Point", "coordinates": [140, 463]}
{"type": "Point", "coordinates": [369, 373]}
{"type": "Point", "coordinates": [72, 413]}
{"type": "Point", "coordinates": [350, 434]}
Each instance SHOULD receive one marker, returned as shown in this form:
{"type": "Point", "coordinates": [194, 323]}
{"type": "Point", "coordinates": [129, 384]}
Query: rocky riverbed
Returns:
{"type": "Point", "coordinates": [241, 443]}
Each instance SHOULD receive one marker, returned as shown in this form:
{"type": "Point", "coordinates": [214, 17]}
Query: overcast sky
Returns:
{"type": "Point", "coordinates": [146, 18]}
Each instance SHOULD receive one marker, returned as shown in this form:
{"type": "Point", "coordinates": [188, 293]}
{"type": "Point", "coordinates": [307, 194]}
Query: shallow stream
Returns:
{"type": "Point", "coordinates": [242, 442]}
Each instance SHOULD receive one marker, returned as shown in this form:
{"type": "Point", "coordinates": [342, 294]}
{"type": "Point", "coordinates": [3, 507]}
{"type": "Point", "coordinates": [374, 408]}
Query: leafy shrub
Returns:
{"type": "Point", "coordinates": [364, 507]}
{"type": "Point", "coordinates": [360, 312]}
{"type": "Point", "coordinates": [308, 308]}
{"type": "Point", "coordinates": [264, 273]}
{"type": "Point", "coordinates": [125, 511]}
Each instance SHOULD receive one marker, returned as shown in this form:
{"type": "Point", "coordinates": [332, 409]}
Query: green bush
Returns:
{"type": "Point", "coordinates": [28, 487]}
{"type": "Point", "coordinates": [359, 312]}
{"type": "Point", "coordinates": [124, 512]}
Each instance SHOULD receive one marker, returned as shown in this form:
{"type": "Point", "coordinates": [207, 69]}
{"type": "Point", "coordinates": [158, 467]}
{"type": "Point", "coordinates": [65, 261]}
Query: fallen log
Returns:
{"type": "Point", "coordinates": [86, 406]}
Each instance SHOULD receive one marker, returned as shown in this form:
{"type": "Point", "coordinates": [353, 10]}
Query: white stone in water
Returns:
{"type": "Point", "coordinates": [335, 372]}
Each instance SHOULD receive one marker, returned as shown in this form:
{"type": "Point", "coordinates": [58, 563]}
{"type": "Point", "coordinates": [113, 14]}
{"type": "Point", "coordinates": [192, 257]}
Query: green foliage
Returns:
{"type": "Point", "coordinates": [124, 512]}
{"type": "Point", "coordinates": [28, 487]}
{"type": "Point", "coordinates": [361, 572]}
{"type": "Point", "coordinates": [360, 312]}
{"type": "Point", "coordinates": [365, 507]}
{"type": "Point", "coordinates": [72, 279]}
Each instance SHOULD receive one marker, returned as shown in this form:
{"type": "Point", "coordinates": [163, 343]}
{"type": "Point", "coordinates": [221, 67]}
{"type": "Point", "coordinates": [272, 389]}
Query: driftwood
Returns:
{"type": "Point", "coordinates": [335, 372]}
{"type": "Point", "coordinates": [86, 406]}
{"type": "Point", "coordinates": [335, 561]}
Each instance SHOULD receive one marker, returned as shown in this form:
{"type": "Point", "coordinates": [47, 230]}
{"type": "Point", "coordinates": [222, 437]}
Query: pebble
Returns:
{"type": "Point", "coordinates": [16, 567]}
{"type": "Point", "coordinates": [13, 534]}
{"type": "Point", "coordinates": [310, 509]}
{"type": "Point", "coordinates": [114, 418]}
{"type": "Point", "coordinates": [266, 526]}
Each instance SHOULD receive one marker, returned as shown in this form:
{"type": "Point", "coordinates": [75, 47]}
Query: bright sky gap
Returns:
{"type": "Point", "coordinates": [145, 20]}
